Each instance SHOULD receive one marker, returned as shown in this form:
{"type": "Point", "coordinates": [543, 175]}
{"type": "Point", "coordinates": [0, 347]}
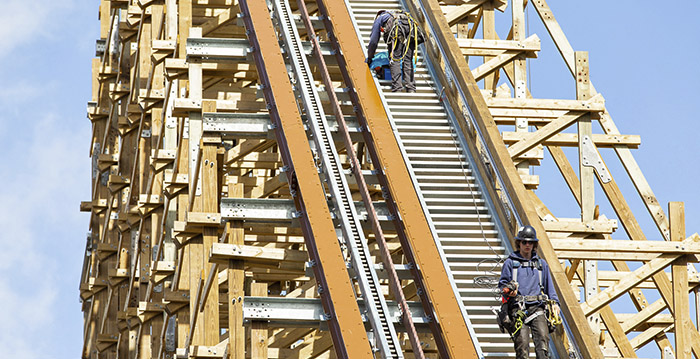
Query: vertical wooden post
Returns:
{"type": "Point", "coordinates": [184, 22]}
{"type": "Point", "coordinates": [210, 194]}
{"type": "Point", "coordinates": [236, 281]}
{"type": "Point", "coordinates": [258, 329]}
{"type": "Point", "coordinates": [679, 272]}
{"type": "Point", "coordinates": [520, 76]}
{"type": "Point", "coordinates": [195, 135]}
{"type": "Point", "coordinates": [585, 135]}
{"type": "Point", "coordinates": [489, 33]}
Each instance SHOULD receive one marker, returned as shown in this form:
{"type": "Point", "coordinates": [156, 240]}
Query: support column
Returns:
{"type": "Point", "coordinates": [585, 135]}
{"type": "Point", "coordinates": [679, 272]}
{"type": "Point", "coordinates": [236, 281]}
{"type": "Point", "coordinates": [520, 78]}
{"type": "Point", "coordinates": [258, 328]}
{"type": "Point", "coordinates": [210, 194]}
{"type": "Point", "coordinates": [489, 33]}
{"type": "Point", "coordinates": [194, 204]}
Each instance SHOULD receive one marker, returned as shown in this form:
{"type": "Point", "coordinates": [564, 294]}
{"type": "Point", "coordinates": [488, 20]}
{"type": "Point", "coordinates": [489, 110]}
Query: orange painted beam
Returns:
{"type": "Point", "coordinates": [345, 322]}
{"type": "Point", "coordinates": [449, 328]}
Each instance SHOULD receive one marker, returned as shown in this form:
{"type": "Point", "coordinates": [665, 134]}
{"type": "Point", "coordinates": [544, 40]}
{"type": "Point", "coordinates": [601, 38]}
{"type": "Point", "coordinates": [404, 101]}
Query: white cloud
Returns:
{"type": "Point", "coordinates": [17, 93]}
{"type": "Point", "coordinates": [22, 21]}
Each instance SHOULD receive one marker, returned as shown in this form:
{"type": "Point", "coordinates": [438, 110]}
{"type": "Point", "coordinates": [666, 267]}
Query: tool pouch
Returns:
{"type": "Point", "coordinates": [505, 324]}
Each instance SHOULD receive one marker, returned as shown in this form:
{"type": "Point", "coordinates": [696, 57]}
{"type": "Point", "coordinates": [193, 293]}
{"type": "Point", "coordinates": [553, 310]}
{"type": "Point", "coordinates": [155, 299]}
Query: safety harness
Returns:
{"type": "Point", "coordinates": [402, 29]}
{"type": "Point", "coordinates": [530, 264]}
{"type": "Point", "coordinates": [521, 316]}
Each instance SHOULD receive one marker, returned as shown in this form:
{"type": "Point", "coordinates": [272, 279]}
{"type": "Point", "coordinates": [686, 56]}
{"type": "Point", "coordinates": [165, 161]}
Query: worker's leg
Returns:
{"type": "Point", "coordinates": [521, 342]}
{"type": "Point", "coordinates": [540, 335]}
{"type": "Point", "coordinates": [395, 66]}
{"type": "Point", "coordinates": [408, 73]}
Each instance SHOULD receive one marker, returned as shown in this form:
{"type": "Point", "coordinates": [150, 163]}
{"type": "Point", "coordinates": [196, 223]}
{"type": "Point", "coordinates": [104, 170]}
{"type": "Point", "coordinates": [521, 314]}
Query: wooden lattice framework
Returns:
{"type": "Point", "coordinates": [149, 285]}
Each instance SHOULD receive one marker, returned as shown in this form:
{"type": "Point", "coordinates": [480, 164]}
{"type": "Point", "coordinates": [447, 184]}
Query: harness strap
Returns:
{"type": "Point", "coordinates": [412, 29]}
{"type": "Point", "coordinates": [532, 317]}
{"type": "Point", "coordinates": [532, 298]}
{"type": "Point", "coordinates": [529, 264]}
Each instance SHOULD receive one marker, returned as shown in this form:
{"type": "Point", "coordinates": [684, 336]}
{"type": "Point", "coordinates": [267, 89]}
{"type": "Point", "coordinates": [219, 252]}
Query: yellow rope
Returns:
{"type": "Point", "coordinates": [553, 317]}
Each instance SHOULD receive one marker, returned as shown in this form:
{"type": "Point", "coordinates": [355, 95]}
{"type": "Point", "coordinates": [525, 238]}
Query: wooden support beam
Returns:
{"type": "Point", "coordinates": [460, 12]}
{"type": "Point", "coordinates": [644, 272]}
{"type": "Point", "coordinates": [572, 140]}
{"type": "Point", "coordinates": [592, 105]}
{"type": "Point", "coordinates": [236, 277]}
{"type": "Point", "coordinates": [679, 270]}
{"type": "Point", "coordinates": [225, 252]}
{"type": "Point", "coordinates": [543, 133]}
{"type": "Point", "coordinates": [688, 247]}
{"type": "Point", "coordinates": [258, 328]}
{"type": "Point", "coordinates": [221, 19]}
{"type": "Point", "coordinates": [530, 44]}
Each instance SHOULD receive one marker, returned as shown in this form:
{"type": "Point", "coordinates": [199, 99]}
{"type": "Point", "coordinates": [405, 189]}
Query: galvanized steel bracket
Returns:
{"type": "Point", "coordinates": [591, 158]}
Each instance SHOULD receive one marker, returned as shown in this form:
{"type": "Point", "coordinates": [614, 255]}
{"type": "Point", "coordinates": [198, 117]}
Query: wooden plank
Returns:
{"type": "Point", "coordinates": [653, 247]}
{"type": "Point", "coordinates": [610, 321]}
{"type": "Point", "coordinates": [225, 252]}
{"type": "Point", "coordinates": [644, 272]}
{"type": "Point", "coordinates": [236, 277]}
{"type": "Point", "coordinates": [489, 34]}
{"type": "Point", "coordinates": [605, 255]}
{"type": "Point", "coordinates": [587, 180]}
{"type": "Point", "coordinates": [460, 12]}
{"type": "Point", "coordinates": [531, 43]}
{"type": "Point", "coordinates": [572, 140]}
{"type": "Point", "coordinates": [542, 134]}
{"type": "Point", "coordinates": [598, 226]}
{"type": "Point", "coordinates": [593, 105]}
{"type": "Point", "coordinates": [258, 329]}
{"type": "Point", "coordinates": [219, 20]}
{"type": "Point", "coordinates": [494, 64]}
{"type": "Point", "coordinates": [679, 272]}
{"type": "Point", "coordinates": [648, 335]}
{"type": "Point", "coordinates": [210, 195]}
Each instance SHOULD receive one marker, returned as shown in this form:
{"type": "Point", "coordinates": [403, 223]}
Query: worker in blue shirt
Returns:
{"type": "Point", "coordinates": [532, 302]}
{"type": "Point", "coordinates": [402, 37]}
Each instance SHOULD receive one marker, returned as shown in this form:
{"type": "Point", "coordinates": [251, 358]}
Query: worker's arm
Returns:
{"type": "Point", "coordinates": [374, 37]}
{"type": "Point", "coordinates": [506, 273]}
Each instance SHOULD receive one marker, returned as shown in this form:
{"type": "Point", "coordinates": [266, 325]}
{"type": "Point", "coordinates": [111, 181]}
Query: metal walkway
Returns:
{"type": "Point", "coordinates": [455, 205]}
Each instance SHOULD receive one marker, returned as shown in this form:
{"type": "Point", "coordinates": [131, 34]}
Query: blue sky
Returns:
{"type": "Point", "coordinates": [642, 60]}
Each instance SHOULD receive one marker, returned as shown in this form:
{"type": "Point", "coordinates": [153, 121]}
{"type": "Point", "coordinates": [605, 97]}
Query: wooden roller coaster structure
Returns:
{"type": "Point", "coordinates": [258, 193]}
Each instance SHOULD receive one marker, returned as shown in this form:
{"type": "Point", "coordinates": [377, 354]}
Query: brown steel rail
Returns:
{"type": "Point", "coordinates": [434, 287]}
{"type": "Point", "coordinates": [344, 320]}
{"type": "Point", "coordinates": [356, 169]}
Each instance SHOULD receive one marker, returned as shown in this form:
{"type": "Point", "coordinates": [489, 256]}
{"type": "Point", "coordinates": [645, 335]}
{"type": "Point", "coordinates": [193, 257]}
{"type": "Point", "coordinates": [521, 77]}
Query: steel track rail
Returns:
{"type": "Point", "coordinates": [356, 169]}
{"type": "Point", "coordinates": [345, 321]}
{"type": "Point", "coordinates": [385, 337]}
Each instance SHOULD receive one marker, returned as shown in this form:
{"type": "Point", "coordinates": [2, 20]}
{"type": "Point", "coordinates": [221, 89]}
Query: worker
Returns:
{"type": "Point", "coordinates": [402, 37]}
{"type": "Point", "coordinates": [529, 297]}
